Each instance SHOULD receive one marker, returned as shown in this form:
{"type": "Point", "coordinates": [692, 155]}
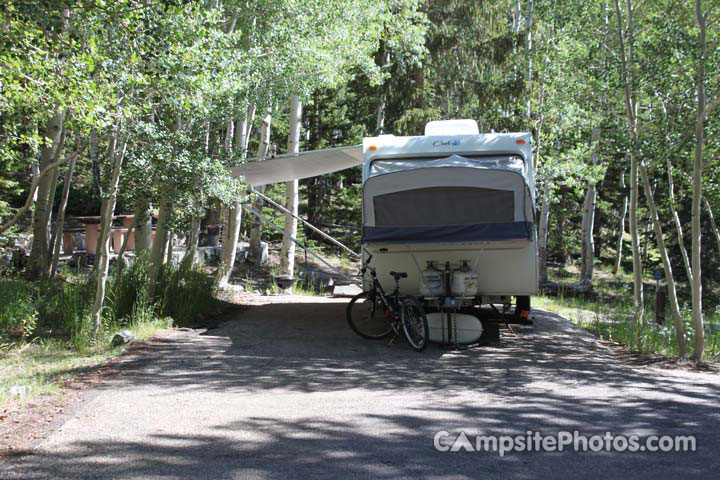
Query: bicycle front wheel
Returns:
{"type": "Point", "coordinates": [366, 316]}
{"type": "Point", "coordinates": [415, 324]}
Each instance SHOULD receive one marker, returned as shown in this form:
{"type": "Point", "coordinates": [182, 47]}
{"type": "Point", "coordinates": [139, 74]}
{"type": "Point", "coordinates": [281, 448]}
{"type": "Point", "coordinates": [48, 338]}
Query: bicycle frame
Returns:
{"type": "Point", "coordinates": [389, 301]}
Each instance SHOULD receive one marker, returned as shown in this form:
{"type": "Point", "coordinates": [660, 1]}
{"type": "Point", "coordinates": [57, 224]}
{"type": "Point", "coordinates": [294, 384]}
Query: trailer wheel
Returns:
{"type": "Point", "coordinates": [522, 307]}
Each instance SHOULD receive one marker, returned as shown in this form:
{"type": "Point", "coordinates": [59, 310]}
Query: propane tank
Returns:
{"type": "Point", "coordinates": [431, 281]}
{"type": "Point", "coordinates": [464, 281]}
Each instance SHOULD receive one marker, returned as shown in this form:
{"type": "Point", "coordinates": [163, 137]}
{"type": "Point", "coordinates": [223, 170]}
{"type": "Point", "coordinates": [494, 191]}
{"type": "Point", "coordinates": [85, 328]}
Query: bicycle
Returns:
{"type": "Point", "coordinates": [376, 315]}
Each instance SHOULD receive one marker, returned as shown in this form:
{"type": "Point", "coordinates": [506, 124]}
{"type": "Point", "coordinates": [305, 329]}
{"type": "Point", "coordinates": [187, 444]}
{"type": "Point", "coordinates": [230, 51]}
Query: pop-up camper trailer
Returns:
{"type": "Point", "coordinates": [454, 209]}
{"type": "Point", "coordinates": [454, 196]}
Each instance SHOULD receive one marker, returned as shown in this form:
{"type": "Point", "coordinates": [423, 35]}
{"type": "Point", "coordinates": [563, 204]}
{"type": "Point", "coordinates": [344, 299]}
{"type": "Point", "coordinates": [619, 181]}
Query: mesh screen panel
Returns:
{"type": "Point", "coordinates": [437, 206]}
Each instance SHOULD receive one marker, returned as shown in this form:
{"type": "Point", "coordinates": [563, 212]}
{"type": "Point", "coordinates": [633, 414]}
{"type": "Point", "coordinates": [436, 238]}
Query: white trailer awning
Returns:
{"type": "Point", "coordinates": [295, 166]}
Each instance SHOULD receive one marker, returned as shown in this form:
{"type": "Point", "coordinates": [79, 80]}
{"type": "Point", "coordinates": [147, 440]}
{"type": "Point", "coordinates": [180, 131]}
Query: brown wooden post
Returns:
{"type": "Point", "coordinates": [660, 299]}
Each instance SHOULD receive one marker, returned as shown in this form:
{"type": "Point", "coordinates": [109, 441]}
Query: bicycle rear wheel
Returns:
{"type": "Point", "coordinates": [366, 316]}
{"type": "Point", "coordinates": [415, 324]}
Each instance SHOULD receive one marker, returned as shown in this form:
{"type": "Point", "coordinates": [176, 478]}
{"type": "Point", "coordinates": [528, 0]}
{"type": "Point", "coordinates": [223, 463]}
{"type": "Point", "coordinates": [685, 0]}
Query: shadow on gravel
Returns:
{"type": "Point", "coordinates": [309, 348]}
{"type": "Point", "coordinates": [547, 378]}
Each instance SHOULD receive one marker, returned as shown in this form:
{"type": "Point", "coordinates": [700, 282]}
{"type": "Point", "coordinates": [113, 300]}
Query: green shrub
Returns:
{"type": "Point", "coordinates": [65, 308]}
{"type": "Point", "coordinates": [186, 294]}
{"type": "Point", "coordinates": [127, 289]}
{"type": "Point", "coordinates": [18, 314]}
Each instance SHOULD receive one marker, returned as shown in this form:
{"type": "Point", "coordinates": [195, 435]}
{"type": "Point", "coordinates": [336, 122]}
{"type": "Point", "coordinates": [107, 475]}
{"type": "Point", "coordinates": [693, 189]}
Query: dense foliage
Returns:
{"type": "Point", "coordinates": [155, 99]}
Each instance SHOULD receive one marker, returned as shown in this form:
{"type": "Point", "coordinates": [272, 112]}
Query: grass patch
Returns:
{"type": "Point", "coordinates": [42, 366]}
{"type": "Point", "coordinates": [46, 329]}
{"type": "Point", "coordinates": [609, 314]}
{"type": "Point", "coordinates": [614, 322]}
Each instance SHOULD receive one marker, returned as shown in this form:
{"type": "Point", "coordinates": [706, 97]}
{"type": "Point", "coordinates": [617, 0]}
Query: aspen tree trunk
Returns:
{"type": "Point", "coordinates": [36, 178]}
{"type": "Point", "coordinates": [697, 313]}
{"type": "Point", "coordinates": [627, 57]}
{"type": "Point", "coordinates": [143, 226]}
{"type": "Point", "coordinates": [38, 262]}
{"type": "Point", "coordinates": [621, 229]}
{"type": "Point", "coordinates": [102, 260]}
{"type": "Point", "coordinates": [191, 245]}
{"type": "Point", "coordinates": [169, 248]}
{"type": "Point", "coordinates": [667, 266]}
{"type": "Point", "coordinates": [230, 244]}
{"type": "Point", "coordinates": [162, 231]}
{"type": "Point", "coordinates": [543, 233]}
{"type": "Point", "coordinates": [123, 247]}
{"type": "Point", "coordinates": [102, 248]}
{"type": "Point", "coordinates": [712, 221]}
{"type": "Point", "coordinates": [635, 242]}
{"type": "Point", "coordinates": [287, 251]}
{"type": "Point", "coordinates": [678, 224]}
{"type": "Point", "coordinates": [587, 262]}
{"type": "Point", "coordinates": [247, 130]}
{"type": "Point", "coordinates": [545, 207]}
{"type": "Point", "coordinates": [234, 213]}
{"type": "Point", "coordinates": [380, 116]}
{"type": "Point", "coordinates": [193, 237]}
{"type": "Point", "coordinates": [51, 202]}
{"type": "Point", "coordinates": [256, 226]}
{"type": "Point", "coordinates": [191, 242]}
{"type": "Point", "coordinates": [528, 59]}
{"type": "Point", "coordinates": [157, 254]}
{"type": "Point", "coordinates": [517, 14]}
{"type": "Point", "coordinates": [61, 215]}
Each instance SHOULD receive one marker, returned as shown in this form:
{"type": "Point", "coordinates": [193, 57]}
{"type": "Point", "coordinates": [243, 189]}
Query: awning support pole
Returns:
{"type": "Point", "coordinates": [305, 222]}
{"type": "Point", "coordinates": [300, 244]}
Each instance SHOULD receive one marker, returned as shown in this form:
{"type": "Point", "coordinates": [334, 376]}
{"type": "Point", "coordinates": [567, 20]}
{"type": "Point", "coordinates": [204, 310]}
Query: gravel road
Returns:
{"type": "Point", "coordinates": [286, 390]}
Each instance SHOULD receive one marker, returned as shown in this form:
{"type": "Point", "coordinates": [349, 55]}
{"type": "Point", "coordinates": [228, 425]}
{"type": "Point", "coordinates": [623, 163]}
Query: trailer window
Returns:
{"type": "Point", "coordinates": [437, 206]}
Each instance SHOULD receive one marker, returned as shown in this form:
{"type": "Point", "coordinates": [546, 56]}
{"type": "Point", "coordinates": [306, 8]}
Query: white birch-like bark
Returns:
{"type": "Point", "coordinates": [35, 179]}
{"type": "Point", "coordinates": [587, 260]}
{"type": "Point", "coordinates": [621, 225]}
{"type": "Point", "coordinates": [627, 58]}
{"type": "Point", "coordinates": [676, 219]}
{"type": "Point", "coordinates": [234, 213]}
{"type": "Point", "coordinates": [287, 251]}
{"type": "Point", "coordinates": [712, 222]}
{"type": "Point", "coordinates": [143, 226]}
{"type": "Point", "coordinates": [667, 266]}
{"type": "Point", "coordinates": [543, 233]}
{"type": "Point", "coordinates": [38, 261]}
{"type": "Point", "coordinates": [61, 215]}
{"type": "Point", "coordinates": [157, 254]}
{"type": "Point", "coordinates": [102, 258]}
{"type": "Point", "coordinates": [382, 105]}
{"type": "Point", "coordinates": [232, 227]}
{"type": "Point", "coordinates": [191, 244]}
{"type": "Point", "coordinates": [697, 314]}
{"type": "Point", "coordinates": [169, 248]}
{"type": "Point", "coordinates": [126, 240]}
{"type": "Point", "coordinates": [256, 226]}
{"type": "Point", "coordinates": [51, 202]}
{"type": "Point", "coordinates": [528, 60]}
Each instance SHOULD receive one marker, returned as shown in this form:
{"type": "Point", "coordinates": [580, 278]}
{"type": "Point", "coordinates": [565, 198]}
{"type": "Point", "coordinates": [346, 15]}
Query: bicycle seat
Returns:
{"type": "Point", "coordinates": [398, 275]}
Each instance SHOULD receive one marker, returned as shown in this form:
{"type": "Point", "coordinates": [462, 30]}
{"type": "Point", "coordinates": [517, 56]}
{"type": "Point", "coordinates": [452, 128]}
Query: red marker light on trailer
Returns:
{"type": "Point", "coordinates": [520, 141]}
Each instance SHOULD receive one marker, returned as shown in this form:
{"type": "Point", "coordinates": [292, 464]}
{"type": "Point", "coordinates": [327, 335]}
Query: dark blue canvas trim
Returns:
{"type": "Point", "coordinates": [449, 233]}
